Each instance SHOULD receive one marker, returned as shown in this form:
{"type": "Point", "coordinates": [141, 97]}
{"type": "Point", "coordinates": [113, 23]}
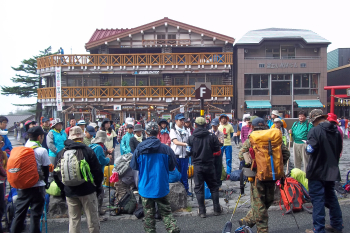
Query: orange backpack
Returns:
{"type": "Point", "coordinates": [259, 141]}
{"type": "Point", "coordinates": [22, 172]}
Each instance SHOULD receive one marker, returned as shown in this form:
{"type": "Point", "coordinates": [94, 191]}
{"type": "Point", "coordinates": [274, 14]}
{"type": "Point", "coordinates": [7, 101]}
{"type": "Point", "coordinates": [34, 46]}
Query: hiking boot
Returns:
{"type": "Point", "coordinates": [217, 207]}
{"type": "Point", "coordinates": [202, 215]}
{"type": "Point", "coordinates": [102, 212]}
{"type": "Point", "coordinates": [201, 205]}
{"type": "Point", "coordinates": [244, 222]}
{"type": "Point", "coordinates": [329, 228]}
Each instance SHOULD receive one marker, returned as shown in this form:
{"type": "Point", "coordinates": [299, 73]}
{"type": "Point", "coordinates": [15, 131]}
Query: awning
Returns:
{"type": "Point", "coordinates": [258, 103]}
{"type": "Point", "coordinates": [309, 104]}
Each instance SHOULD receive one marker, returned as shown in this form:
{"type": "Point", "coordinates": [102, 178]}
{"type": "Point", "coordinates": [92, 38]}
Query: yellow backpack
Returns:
{"type": "Point", "coordinates": [259, 141]}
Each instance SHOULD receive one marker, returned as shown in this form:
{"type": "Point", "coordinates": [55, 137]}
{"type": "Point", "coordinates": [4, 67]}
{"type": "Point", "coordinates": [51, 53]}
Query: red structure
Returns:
{"type": "Point", "coordinates": [333, 88]}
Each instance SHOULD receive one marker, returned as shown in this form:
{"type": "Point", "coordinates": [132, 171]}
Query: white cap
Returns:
{"type": "Point", "coordinates": [129, 121]}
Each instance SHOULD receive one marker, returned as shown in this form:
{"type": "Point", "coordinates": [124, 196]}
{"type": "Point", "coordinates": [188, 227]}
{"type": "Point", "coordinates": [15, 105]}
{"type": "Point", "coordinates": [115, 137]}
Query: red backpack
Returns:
{"type": "Point", "coordinates": [294, 193]}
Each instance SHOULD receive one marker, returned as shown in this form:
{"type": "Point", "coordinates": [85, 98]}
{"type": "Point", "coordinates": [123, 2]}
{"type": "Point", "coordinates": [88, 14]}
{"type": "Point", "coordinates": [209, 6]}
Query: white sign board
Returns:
{"type": "Point", "coordinates": [117, 107]}
{"type": "Point", "coordinates": [58, 89]}
{"type": "Point", "coordinates": [182, 109]}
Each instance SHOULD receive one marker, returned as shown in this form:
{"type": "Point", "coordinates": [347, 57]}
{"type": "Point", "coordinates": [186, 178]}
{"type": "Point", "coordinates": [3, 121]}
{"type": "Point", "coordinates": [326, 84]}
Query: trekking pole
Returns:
{"type": "Point", "coordinates": [290, 139]}
{"type": "Point", "coordinates": [109, 189]}
{"type": "Point", "coordinates": [290, 205]}
{"type": "Point", "coordinates": [271, 158]}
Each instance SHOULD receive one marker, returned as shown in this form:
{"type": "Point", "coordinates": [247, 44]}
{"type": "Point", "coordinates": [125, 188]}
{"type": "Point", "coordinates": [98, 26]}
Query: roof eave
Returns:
{"type": "Point", "coordinates": [282, 38]}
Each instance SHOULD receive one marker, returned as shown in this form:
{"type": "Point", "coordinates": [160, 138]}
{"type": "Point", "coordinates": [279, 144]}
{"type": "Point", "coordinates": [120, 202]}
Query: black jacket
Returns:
{"type": "Point", "coordinates": [133, 143]}
{"type": "Point", "coordinates": [203, 145]}
{"type": "Point", "coordinates": [326, 143]}
{"type": "Point", "coordinates": [85, 188]}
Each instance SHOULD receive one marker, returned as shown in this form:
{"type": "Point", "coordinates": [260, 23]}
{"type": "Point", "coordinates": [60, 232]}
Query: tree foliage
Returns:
{"type": "Point", "coordinates": [27, 81]}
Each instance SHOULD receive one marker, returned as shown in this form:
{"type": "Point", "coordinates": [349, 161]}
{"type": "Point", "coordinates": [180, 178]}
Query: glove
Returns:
{"type": "Point", "coordinates": [99, 190]}
{"type": "Point", "coordinates": [47, 185]}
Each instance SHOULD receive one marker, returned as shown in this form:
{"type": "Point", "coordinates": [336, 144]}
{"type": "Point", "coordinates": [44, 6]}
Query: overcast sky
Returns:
{"type": "Point", "coordinates": [26, 27]}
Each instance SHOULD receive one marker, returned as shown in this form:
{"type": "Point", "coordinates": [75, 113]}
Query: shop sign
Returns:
{"type": "Point", "coordinates": [160, 107]}
{"type": "Point", "coordinates": [127, 107]}
{"type": "Point", "coordinates": [168, 100]}
{"type": "Point", "coordinates": [281, 65]}
{"type": "Point", "coordinates": [141, 107]}
{"type": "Point", "coordinates": [348, 92]}
{"type": "Point", "coordinates": [182, 109]}
{"type": "Point", "coordinates": [144, 72]}
{"type": "Point", "coordinates": [117, 107]}
{"type": "Point", "coordinates": [279, 108]}
{"type": "Point", "coordinates": [100, 116]}
{"type": "Point", "coordinates": [58, 89]}
{"type": "Point", "coordinates": [166, 116]}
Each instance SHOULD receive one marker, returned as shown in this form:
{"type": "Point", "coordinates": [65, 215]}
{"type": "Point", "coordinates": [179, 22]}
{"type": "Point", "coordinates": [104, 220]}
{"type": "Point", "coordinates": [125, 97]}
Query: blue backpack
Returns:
{"type": "Point", "coordinates": [174, 176]}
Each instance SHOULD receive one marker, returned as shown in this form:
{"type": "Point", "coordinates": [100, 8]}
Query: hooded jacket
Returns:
{"type": "Point", "coordinates": [124, 144]}
{"type": "Point", "coordinates": [324, 148]}
{"type": "Point", "coordinates": [153, 160]}
{"type": "Point", "coordinates": [133, 143]}
{"type": "Point", "coordinates": [8, 146]}
{"type": "Point", "coordinates": [85, 188]}
{"type": "Point", "coordinates": [203, 146]}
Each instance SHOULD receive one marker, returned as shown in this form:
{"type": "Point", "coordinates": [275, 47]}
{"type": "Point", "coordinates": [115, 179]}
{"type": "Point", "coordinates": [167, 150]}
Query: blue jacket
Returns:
{"type": "Point", "coordinates": [153, 160]}
{"type": "Point", "coordinates": [124, 144]}
{"type": "Point", "coordinates": [7, 145]}
{"type": "Point", "coordinates": [100, 155]}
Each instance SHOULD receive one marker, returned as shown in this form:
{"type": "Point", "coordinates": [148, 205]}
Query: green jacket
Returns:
{"type": "Point", "coordinates": [300, 131]}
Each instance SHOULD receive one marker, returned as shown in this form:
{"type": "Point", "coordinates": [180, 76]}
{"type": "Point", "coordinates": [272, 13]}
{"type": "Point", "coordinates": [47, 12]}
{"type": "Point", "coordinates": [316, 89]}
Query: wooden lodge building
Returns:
{"type": "Point", "coordinates": [149, 71]}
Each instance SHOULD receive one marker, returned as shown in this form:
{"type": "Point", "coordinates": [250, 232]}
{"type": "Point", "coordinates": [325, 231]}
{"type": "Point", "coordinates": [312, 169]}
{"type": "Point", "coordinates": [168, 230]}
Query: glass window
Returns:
{"type": "Point", "coordinates": [273, 52]}
{"type": "Point", "coordinates": [160, 36]}
{"type": "Point", "coordinates": [247, 92]}
{"type": "Point", "coordinates": [280, 88]}
{"type": "Point", "coordinates": [128, 81]}
{"type": "Point", "coordinates": [215, 80]}
{"type": "Point", "coordinates": [172, 36]}
{"type": "Point", "coordinates": [180, 81]}
{"type": "Point", "coordinates": [297, 80]}
{"type": "Point", "coordinates": [260, 92]}
{"type": "Point", "coordinates": [305, 82]}
{"type": "Point", "coordinates": [264, 81]}
{"type": "Point", "coordinates": [142, 81]}
{"type": "Point", "coordinates": [314, 80]}
{"type": "Point", "coordinates": [288, 52]}
{"type": "Point", "coordinates": [247, 81]}
{"type": "Point", "coordinates": [256, 81]}
{"type": "Point", "coordinates": [256, 84]}
{"type": "Point", "coordinates": [156, 81]}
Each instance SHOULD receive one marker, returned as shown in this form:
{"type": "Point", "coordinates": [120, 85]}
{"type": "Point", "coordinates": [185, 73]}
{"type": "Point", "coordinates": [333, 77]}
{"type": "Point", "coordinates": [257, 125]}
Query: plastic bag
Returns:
{"type": "Point", "coordinates": [54, 190]}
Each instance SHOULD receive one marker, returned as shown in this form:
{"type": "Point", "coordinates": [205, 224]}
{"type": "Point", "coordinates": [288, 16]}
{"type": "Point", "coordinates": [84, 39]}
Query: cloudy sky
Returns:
{"type": "Point", "coordinates": [27, 27]}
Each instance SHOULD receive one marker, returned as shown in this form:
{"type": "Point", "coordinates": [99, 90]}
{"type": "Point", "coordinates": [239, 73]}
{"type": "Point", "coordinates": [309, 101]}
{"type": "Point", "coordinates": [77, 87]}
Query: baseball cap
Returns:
{"type": "Point", "coordinates": [257, 121]}
{"type": "Point", "coordinates": [316, 113]}
{"type": "Point", "coordinates": [36, 130]}
{"type": "Point", "coordinates": [215, 122]}
{"type": "Point", "coordinates": [45, 119]}
{"type": "Point", "coordinates": [81, 122]}
{"type": "Point", "coordinates": [91, 130]}
{"type": "Point", "coordinates": [332, 117]}
{"type": "Point", "coordinates": [129, 126]}
{"type": "Point", "coordinates": [179, 117]}
{"type": "Point", "coordinates": [75, 132]}
{"type": "Point", "coordinates": [200, 121]}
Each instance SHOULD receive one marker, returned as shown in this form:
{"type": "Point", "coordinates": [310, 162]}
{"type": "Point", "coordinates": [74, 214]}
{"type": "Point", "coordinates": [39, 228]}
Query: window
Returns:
{"type": "Point", "coordinates": [273, 52]}
{"type": "Point", "coordinates": [261, 65]}
{"type": "Point", "coordinates": [302, 65]}
{"type": "Point", "coordinates": [305, 84]}
{"type": "Point", "coordinates": [179, 81]}
{"type": "Point", "coordinates": [128, 81]}
{"type": "Point", "coordinates": [172, 36]}
{"type": "Point", "coordinates": [142, 81]}
{"type": "Point", "coordinates": [161, 37]}
{"type": "Point", "coordinates": [214, 79]}
{"type": "Point", "coordinates": [193, 80]}
{"type": "Point", "coordinates": [156, 81]}
{"type": "Point", "coordinates": [276, 77]}
{"type": "Point", "coordinates": [280, 88]}
{"type": "Point", "coordinates": [288, 52]}
{"type": "Point", "coordinates": [256, 84]}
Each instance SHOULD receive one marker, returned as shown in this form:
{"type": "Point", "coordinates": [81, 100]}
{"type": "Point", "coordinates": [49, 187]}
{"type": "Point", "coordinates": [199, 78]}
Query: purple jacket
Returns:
{"type": "Point", "coordinates": [244, 133]}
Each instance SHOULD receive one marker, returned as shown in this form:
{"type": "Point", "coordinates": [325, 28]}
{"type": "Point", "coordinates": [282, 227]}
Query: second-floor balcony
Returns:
{"type": "Point", "coordinates": [136, 61]}
{"type": "Point", "coordinates": [127, 92]}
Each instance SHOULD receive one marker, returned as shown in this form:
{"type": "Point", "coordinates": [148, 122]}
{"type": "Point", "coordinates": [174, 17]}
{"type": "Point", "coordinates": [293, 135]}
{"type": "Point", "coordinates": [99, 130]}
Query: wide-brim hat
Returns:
{"type": "Point", "coordinates": [223, 115]}
{"type": "Point", "coordinates": [316, 113]}
{"type": "Point", "coordinates": [107, 120]}
{"type": "Point", "coordinates": [75, 132]}
{"type": "Point", "coordinates": [93, 125]}
{"type": "Point", "coordinates": [277, 120]}
{"type": "Point", "coordinates": [163, 121]}
{"type": "Point", "coordinates": [101, 137]}
{"type": "Point", "coordinates": [129, 121]}
{"type": "Point", "coordinates": [55, 122]}
{"type": "Point", "coordinates": [137, 128]}
{"type": "Point", "coordinates": [275, 112]}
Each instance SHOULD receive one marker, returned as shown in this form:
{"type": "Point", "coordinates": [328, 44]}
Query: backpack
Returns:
{"type": "Point", "coordinates": [127, 204]}
{"type": "Point", "coordinates": [69, 165]}
{"type": "Point", "coordinates": [22, 170]}
{"type": "Point", "coordinates": [259, 141]}
{"type": "Point", "coordinates": [294, 193]}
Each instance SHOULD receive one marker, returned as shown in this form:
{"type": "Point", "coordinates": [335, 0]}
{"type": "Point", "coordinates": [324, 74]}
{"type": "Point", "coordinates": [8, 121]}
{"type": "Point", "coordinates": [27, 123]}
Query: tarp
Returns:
{"type": "Point", "coordinates": [258, 103]}
{"type": "Point", "coordinates": [309, 104]}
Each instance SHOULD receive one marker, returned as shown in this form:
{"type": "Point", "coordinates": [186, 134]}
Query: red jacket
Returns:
{"type": "Point", "coordinates": [164, 138]}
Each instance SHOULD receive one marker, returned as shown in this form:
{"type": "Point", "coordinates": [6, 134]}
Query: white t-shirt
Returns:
{"type": "Point", "coordinates": [42, 159]}
{"type": "Point", "coordinates": [179, 150]}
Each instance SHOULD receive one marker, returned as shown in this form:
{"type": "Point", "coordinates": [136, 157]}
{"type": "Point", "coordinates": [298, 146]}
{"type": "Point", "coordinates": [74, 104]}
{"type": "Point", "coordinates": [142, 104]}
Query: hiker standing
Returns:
{"type": "Point", "coordinates": [97, 145]}
{"type": "Point", "coordinates": [90, 133]}
{"type": "Point", "coordinates": [217, 159]}
{"type": "Point", "coordinates": [299, 133]}
{"type": "Point", "coordinates": [324, 145]}
{"type": "Point", "coordinates": [123, 130]}
{"type": "Point", "coordinates": [275, 114]}
{"type": "Point", "coordinates": [154, 160]}
{"type": "Point", "coordinates": [261, 192]}
{"type": "Point", "coordinates": [285, 135]}
{"type": "Point", "coordinates": [227, 130]}
{"type": "Point", "coordinates": [72, 123]}
{"type": "Point", "coordinates": [124, 144]}
{"type": "Point", "coordinates": [163, 134]}
{"type": "Point", "coordinates": [235, 127]}
{"type": "Point", "coordinates": [27, 126]}
{"type": "Point", "coordinates": [203, 146]}
{"type": "Point", "coordinates": [7, 147]}
{"type": "Point", "coordinates": [82, 125]}
{"type": "Point", "coordinates": [179, 136]}
{"type": "Point", "coordinates": [55, 139]}
{"type": "Point", "coordinates": [188, 126]}
{"type": "Point", "coordinates": [137, 139]}
{"type": "Point", "coordinates": [81, 192]}
{"type": "Point", "coordinates": [46, 128]}
{"type": "Point", "coordinates": [245, 129]}
{"type": "Point", "coordinates": [33, 197]}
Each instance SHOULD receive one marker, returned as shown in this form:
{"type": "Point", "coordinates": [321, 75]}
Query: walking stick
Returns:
{"type": "Point", "coordinates": [290, 139]}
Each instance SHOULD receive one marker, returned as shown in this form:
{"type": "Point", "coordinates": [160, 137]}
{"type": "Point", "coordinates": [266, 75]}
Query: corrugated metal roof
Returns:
{"type": "Point", "coordinates": [257, 36]}
{"type": "Point", "coordinates": [104, 33]}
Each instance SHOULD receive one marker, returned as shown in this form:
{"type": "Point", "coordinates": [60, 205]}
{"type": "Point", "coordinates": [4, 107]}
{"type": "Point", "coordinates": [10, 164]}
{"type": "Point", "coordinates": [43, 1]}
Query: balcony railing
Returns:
{"type": "Point", "coordinates": [161, 59]}
{"type": "Point", "coordinates": [170, 42]}
{"type": "Point", "coordinates": [132, 92]}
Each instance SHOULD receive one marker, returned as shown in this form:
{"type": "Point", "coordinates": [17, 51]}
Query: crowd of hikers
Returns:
{"type": "Point", "coordinates": [79, 160]}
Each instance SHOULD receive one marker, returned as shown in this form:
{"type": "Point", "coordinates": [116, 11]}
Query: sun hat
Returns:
{"type": "Point", "coordinates": [55, 122]}
{"type": "Point", "coordinates": [91, 130]}
{"type": "Point", "coordinates": [277, 120]}
{"type": "Point", "coordinates": [332, 117]}
{"type": "Point", "coordinates": [179, 116]}
{"type": "Point", "coordinates": [137, 128]}
{"type": "Point", "coordinates": [75, 132]}
{"type": "Point", "coordinates": [275, 112]}
{"type": "Point", "coordinates": [163, 121]}
{"type": "Point", "coordinates": [200, 121]}
{"type": "Point", "coordinates": [101, 137]}
{"type": "Point", "coordinates": [92, 124]}
{"type": "Point", "coordinates": [129, 121]}
{"type": "Point", "coordinates": [223, 115]}
{"type": "Point", "coordinates": [316, 113]}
